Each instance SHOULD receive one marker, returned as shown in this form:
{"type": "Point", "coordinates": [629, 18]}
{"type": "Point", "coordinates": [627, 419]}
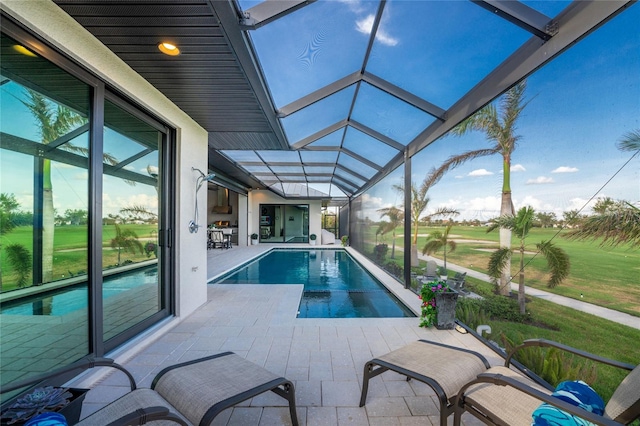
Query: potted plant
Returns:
{"type": "Point", "coordinates": [312, 239]}
{"type": "Point", "coordinates": [345, 240]}
{"type": "Point", "coordinates": [65, 401]}
{"type": "Point", "coordinates": [438, 305]}
{"type": "Point", "coordinates": [254, 239]}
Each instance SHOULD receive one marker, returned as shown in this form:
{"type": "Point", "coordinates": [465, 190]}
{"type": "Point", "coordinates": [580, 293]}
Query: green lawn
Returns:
{"type": "Point", "coordinates": [70, 249]}
{"type": "Point", "coordinates": [607, 276]}
{"type": "Point", "coordinates": [578, 329]}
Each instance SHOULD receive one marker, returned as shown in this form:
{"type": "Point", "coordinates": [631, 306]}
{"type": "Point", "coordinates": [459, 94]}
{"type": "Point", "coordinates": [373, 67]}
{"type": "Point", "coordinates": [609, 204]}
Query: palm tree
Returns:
{"type": "Point", "coordinates": [440, 240]}
{"type": "Point", "coordinates": [615, 222]}
{"type": "Point", "coordinates": [126, 240]}
{"type": "Point", "coordinates": [557, 259]}
{"type": "Point", "coordinates": [54, 121]}
{"type": "Point", "coordinates": [20, 260]}
{"type": "Point", "coordinates": [499, 126]}
{"type": "Point", "coordinates": [619, 224]}
{"type": "Point", "coordinates": [396, 217]}
{"type": "Point", "coordinates": [419, 202]}
{"type": "Point", "coordinates": [8, 206]}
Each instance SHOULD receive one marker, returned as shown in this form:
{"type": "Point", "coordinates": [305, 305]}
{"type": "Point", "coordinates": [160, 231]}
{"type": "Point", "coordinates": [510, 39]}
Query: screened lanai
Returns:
{"type": "Point", "coordinates": [334, 95]}
{"type": "Point", "coordinates": [314, 103]}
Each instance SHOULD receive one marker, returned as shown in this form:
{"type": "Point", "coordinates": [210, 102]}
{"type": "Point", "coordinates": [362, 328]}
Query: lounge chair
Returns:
{"type": "Point", "coordinates": [457, 282]}
{"type": "Point", "coordinates": [190, 393]}
{"type": "Point", "coordinates": [502, 396]}
{"type": "Point", "coordinates": [454, 367]}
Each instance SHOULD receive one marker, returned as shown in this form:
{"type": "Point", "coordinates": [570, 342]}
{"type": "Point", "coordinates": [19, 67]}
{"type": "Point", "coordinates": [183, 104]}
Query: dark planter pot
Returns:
{"type": "Point", "coordinates": [71, 411]}
{"type": "Point", "coordinates": [446, 306]}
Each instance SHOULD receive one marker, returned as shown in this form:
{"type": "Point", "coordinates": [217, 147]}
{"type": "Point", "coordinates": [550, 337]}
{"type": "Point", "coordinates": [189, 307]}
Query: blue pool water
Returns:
{"type": "Point", "coordinates": [74, 298]}
{"type": "Point", "coordinates": [335, 285]}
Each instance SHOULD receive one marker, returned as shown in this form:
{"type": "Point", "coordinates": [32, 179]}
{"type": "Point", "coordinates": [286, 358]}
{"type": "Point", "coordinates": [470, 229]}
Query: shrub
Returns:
{"type": "Point", "coordinates": [470, 312]}
{"type": "Point", "coordinates": [503, 308]}
{"type": "Point", "coordinates": [379, 253]}
{"type": "Point", "coordinates": [394, 269]}
{"type": "Point", "coordinates": [553, 365]}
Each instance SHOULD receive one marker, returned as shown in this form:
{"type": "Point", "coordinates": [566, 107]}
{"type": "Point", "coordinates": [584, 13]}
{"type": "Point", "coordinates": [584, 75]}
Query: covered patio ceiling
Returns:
{"type": "Point", "coordinates": [323, 99]}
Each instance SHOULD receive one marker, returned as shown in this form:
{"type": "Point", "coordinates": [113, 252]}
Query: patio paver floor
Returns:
{"type": "Point", "coordinates": [323, 357]}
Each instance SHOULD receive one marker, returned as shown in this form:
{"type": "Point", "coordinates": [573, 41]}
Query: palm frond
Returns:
{"type": "Point", "coordinates": [442, 211]}
{"type": "Point", "coordinates": [505, 221]}
{"type": "Point", "coordinates": [139, 210]}
{"type": "Point", "coordinates": [497, 262]}
{"type": "Point", "coordinates": [523, 221]}
{"type": "Point", "coordinates": [432, 246]}
{"type": "Point", "coordinates": [630, 141]}
{"type": "Point", "coordinates": [557, 261]}
{"type": "Point", "coordinates": [454, 161]}
{"type": "Point", "coordinates": [20, 260]}
{"type": "Point", "coordinates": [485, 119]}
{"type": "Point", "coordinates": [616, 227]}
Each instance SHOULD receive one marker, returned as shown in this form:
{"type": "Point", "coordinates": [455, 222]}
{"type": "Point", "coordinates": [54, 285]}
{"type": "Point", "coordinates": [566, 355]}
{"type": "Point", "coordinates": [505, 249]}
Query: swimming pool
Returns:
{"type": "Point", "coordinates": [74, 298]}
{"type": "Point", "coordinates": [335, 285]}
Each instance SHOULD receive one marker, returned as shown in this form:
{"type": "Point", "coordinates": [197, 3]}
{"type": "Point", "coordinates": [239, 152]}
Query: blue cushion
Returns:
{"type": "Point", "coordinates": [577, 393]}
{"type": "Point", "coordinates": [47, 419]}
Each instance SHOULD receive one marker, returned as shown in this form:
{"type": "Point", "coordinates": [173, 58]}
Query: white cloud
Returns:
{"type": "Point", "coordinates": [484, 204]}
{"type": "Point", "coordinates": [354, 5]}
{"type": "Point", "coordinates": [459, 177]}
{"type": "Point", "coordinates": [517, 168]}
{"type": "Point", "coordinates": [114, 205]}
{"type": "Point", "coordinates": [371, 202]}
{"type": "Point", "coordinates": [540, 180]}
{"type": "Point", "coordinates": [529, 200]}
{"type": "Point", "coordinates": [480, 172]}
{"type": "Point", "coordinates": [365, 25]}
{"type": "Point", "coordinates": [565, 169]}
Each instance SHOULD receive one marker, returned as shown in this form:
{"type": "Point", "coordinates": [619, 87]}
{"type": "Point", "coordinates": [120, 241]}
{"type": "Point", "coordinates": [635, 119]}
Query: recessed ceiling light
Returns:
{"type": "Point", "coordinates": [169, 49]}
{"type": "Point", "coordinates": [21, 49]}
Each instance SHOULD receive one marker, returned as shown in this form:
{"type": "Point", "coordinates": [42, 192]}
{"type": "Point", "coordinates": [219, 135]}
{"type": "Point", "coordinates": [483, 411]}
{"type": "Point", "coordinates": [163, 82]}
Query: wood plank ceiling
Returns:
{"type": "Point", "coordinates": [206, 80]}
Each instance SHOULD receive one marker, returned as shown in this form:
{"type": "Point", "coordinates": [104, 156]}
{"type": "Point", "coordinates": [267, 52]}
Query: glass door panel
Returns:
{"type": "Point", "coordinates": [131, 287]}
{"type": "Point", "coordinates": [44, 211]}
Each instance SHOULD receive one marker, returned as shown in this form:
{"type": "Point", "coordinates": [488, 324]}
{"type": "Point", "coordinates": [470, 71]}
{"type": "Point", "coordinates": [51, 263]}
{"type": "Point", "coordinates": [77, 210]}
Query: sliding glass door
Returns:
{"type": "Point", "coordinates": [284, 223]}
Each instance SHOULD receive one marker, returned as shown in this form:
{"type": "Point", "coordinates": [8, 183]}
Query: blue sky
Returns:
{"type": "Point", "coordinates": [580, 104]}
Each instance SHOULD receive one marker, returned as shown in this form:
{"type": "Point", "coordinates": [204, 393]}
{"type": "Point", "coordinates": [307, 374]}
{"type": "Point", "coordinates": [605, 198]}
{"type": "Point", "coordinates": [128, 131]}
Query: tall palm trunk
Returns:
{"type": "Point", "coordinates": [393, 245]}
{"type": "Point", "coordinates": [47, 224]}
{"type": "Point", "coordinates": [521, 297]}
{"type": "Point", "coordinates": [414, 246]}
{"type": "Point", "coordinates": [506, 208]}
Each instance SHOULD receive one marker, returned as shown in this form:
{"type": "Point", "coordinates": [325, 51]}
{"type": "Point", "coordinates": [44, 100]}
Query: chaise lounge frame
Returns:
{"type": "Point", "coordinates": [418, 360]}
{"type": "Point", "coordinates": [189, 393]}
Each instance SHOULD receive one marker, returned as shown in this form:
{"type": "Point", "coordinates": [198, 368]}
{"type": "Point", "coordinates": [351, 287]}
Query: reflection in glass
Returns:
{"type": "Point", "coordinates": [43, 214]}
{"type": "Point", "coordinates": [130, 231]}
{"type": "Point", "coordinates": [377, 219]}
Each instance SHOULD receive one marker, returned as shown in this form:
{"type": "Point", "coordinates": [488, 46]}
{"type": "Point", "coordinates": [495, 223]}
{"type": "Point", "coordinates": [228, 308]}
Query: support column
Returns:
{"type": "Point", "coordinates": [407, 219]}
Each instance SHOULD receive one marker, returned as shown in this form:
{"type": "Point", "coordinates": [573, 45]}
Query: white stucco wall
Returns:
{"type": "Point", "coordinates": [46, 19]}
{"type": "Point", "coordinates": [257, 197]}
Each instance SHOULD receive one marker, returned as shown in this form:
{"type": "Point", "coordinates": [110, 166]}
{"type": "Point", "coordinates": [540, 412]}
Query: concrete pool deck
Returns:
{"type": "Point", "coordinates": [324, 358]}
